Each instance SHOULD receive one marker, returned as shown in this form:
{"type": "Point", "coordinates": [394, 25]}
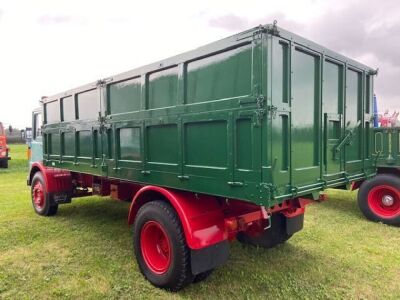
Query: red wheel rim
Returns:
{"type": "Point", "coordinates": [384, 201]}
{"type": "Point", "coordinates": [38, 195]}
{"type": "Point", "coordinates": [156, 247]}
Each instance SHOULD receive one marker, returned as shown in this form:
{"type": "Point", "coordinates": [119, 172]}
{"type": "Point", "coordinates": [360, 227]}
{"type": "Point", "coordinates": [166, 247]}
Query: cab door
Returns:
{"type": "Point", "coordinates": [36, 144]}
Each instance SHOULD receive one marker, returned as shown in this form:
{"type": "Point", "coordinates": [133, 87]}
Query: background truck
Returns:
{"type": "Point", "coordinates": [379, 198]}
{"type": "Point", "coordinates": [4, 149]}
{"type": "Point", "coordinates": [231, 140]}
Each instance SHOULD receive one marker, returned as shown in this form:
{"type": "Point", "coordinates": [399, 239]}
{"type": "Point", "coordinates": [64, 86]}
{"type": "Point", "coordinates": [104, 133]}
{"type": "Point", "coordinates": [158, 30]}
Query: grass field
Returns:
{"type": "Point", "coordinates": [85, 252]}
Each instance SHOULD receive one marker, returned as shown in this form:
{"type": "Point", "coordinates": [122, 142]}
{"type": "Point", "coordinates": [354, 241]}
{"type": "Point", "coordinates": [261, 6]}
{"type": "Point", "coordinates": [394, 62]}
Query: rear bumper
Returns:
{"type": "Point", "coordinates": [5, 158]}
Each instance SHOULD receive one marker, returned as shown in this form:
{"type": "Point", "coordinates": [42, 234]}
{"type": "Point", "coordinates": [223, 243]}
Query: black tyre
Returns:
{"type": "Point", "coordinates": [379, 199]}
{"type": "Point", "coordinates": [269, 238]}
{"type": "Point", "coordinates": [160, 246]}
{"type": "Point", "coordinates": [40, 198]}
{"type": "Point", "coordinates": [202, 276]}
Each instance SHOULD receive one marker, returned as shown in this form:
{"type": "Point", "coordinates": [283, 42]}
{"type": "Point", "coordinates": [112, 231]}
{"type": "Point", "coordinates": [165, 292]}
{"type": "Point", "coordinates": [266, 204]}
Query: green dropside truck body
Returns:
{"type": "Point", "coordinates": [263, 116]}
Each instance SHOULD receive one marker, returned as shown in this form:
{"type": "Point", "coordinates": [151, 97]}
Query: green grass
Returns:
{"type": "Point", "coordinates": [85, 251]}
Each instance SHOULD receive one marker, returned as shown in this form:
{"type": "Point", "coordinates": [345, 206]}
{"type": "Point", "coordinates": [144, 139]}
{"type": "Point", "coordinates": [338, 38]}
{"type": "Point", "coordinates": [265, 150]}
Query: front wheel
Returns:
{"type": "Point", "coordinates": [40, 198]}
{"type": "Point", "coordinates": [379, 199]}
{"type": "Point", "coordinates": [160, 246]}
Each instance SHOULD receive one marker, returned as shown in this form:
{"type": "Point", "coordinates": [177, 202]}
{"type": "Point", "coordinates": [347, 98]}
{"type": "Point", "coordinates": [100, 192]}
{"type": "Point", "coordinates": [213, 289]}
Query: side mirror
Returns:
{"type": "Point", "coordinates": [10, 129]}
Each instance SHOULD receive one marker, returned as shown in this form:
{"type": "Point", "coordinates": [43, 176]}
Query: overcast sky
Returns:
{"type": "Point", "coordinates": [50, 46]}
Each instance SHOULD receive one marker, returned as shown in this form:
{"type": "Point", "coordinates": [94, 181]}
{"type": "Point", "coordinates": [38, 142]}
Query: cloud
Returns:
{"type": "Point", "coordinates": [55, 19]}
{"type": "Point", "coordinates": [367, 33]}
{"type": "Point", "coordinates": [229, 22]}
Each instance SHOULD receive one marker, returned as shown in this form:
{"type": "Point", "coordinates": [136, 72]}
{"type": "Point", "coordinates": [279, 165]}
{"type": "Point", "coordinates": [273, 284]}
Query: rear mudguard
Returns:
{"type": "Point", "coordinates": [201, 216]}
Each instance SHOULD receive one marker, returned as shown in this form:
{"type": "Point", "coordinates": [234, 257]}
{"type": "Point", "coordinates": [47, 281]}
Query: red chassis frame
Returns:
{"type": "Point", "coordinates": [206, 220]}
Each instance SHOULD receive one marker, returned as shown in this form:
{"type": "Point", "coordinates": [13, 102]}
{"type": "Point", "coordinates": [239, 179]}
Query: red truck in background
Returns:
{"type": "Point", "coordinates": [4, 150]}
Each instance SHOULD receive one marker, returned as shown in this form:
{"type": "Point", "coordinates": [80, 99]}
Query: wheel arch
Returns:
{"type": "Point", "coordinates": [56, 180]}
{"type": "Point", "coordinates": [201, 216]}
{"type": "Point", "coordinates": [36, 167]}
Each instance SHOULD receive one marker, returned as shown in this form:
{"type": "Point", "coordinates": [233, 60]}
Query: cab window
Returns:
{"type": "Point", "coordinates": [37, 125]}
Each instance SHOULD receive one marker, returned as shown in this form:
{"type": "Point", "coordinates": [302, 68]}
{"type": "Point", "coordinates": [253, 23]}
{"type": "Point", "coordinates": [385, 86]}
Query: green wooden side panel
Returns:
{"type": "Point", "coordinates": [124, 96]}
{"type": "Point", "coordinates": [97, 137]}
{"type": "Point", "coordinates": [130, 144]}
{"type": "Point", "coordinates": [68, 144]}
{"type": "Point", "coordinates": [280, 72]}
{"type": "Point", "coordinates": [244, 144]}
{"type": "Point", "coordinates": [353, 114]}
{"type": "Point", "coordinates": [163, 88]}
{"type": "Point", "coordinates": [220, 76]}
{"type": "Point", "coordinates": [108, 144]}
{"type": "Point", "coordinates": [52, 112]}
{"type": "Point", "coordinates": [164, 138]}
{"type": "Point", "coordinates": [68, 109]}
{"type": "Point", "coordinates": [280, 124]}
{"type": "Point", "coordinates": [257, 116]}
{"type": "Point", "coordinates": [85, 143]}
{"type": "Point", "coordinates": [88, 105]}
{"type": "Point", "coordinates": [305, 118]}
{"type": "Point", "coordinates": [332, 116]}
{"type": "Point", "coordinates": [206, 144]}
{"type": "Point", "coordinates": [304, 110]}
{"type": "Point", "coordinates": [55, 144]}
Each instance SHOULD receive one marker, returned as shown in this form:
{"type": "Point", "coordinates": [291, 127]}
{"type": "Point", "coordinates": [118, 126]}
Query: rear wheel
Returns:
{"type": "Point", "coordinates": [379, 199]}
{"type": "Point", "coordinates": [269, 238]}
{"type": "Point", "coordinates": [160, 246]}
{"type": "Point", "coordinates": [40, 198]}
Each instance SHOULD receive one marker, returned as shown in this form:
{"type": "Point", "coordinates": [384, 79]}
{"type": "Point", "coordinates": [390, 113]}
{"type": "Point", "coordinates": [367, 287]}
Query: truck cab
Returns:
{"type": "Point", "coordinates": [4, 150]}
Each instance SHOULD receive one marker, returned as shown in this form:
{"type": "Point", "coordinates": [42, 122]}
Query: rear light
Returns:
{"type": "Point", "coordinates": [29, 153]}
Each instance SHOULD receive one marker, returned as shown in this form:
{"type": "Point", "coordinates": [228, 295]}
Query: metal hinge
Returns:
{"type": "Point", "coordinates": [260, 100]}
{"type": "Point", "coordinates": [257, 34]}
{"type": "Point", "coordinates": [259, 115]}
{"type": "Point", "coordinates": [273, 29]}
{"type": "Point", "coordinates": [271, 189]}
{"type": "Point", "coordinates": [103, 82]}
{"type": "Point", "coordinates": [273, 109]}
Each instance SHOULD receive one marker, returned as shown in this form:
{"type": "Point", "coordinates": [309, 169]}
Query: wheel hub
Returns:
{"type": "Point", "coordinates": [156, 247]}
{"type": "Point", "coordinates": [384, 201]}
{"type": "Point", "coordinates": [387, 200]}
{"type": "Point", "coordinates": [38, 195]}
